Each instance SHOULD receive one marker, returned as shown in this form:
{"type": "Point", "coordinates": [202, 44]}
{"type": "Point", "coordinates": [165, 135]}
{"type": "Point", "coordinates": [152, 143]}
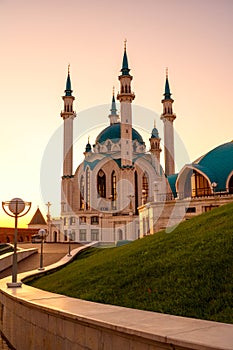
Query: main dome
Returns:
{"type": "Point", "coordinates": [113, 133]}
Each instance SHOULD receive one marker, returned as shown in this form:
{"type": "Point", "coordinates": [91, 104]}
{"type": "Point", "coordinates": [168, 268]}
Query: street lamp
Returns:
{"type": "Point", "coordinates": [69, 235]}
{"type": "Point", "coordinates": [42, 234]}
{"type": "Point", "coordinates": [15, 208]}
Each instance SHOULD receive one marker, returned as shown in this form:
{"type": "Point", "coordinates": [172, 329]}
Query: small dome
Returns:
{"type": "Point", "coordinates": [88, 147]}
{"type": "Point", "coordinates": [155, 134]}
{"type": "Point", "coordinates": [113, 133]}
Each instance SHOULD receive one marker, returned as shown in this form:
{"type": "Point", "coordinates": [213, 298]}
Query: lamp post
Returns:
{"type": "Point", "coordinates": [42, 234]}
{"type": "Point", "coordinates": [101, 219]}
{"type": "Point", "coordinates": [69, 235]}
{"type": "Point", "coordinates": [15, 208]}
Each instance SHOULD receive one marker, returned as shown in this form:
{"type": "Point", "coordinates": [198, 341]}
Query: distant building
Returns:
{"type": "Point", "coordinates": [24, 234]}
{"type": "Point", "coordinates": [38, 221]}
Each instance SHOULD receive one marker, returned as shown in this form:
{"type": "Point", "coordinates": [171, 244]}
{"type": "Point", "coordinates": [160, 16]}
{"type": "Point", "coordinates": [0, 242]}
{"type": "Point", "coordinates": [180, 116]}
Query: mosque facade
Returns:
{"type": "Point", "coordinates": [100, 199]}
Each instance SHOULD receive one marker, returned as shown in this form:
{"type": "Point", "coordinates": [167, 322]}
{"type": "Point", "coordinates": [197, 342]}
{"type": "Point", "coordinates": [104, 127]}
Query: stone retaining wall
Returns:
{"type": "Point", "coordinates": [7, 259]}
{"type": "Point", "coordinates": [33, 319]}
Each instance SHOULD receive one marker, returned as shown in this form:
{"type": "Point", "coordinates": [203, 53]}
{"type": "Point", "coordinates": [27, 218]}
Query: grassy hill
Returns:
{"type": "Point", "coordinates": [186, 272]}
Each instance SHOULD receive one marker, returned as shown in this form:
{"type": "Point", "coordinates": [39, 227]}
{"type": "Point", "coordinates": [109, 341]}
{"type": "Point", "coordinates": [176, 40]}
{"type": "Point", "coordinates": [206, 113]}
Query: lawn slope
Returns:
{"type": "Point", "coordinates": [186, 272]}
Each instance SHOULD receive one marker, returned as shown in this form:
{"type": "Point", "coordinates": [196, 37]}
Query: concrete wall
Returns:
{"type": "Point", "coordinates": [33, 319]}
{"type": "Point", "coordinates": [6, 260]}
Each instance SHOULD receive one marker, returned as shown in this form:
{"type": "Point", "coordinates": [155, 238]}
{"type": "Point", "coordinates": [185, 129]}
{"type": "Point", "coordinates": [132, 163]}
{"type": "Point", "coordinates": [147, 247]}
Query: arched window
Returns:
{"type": "Point", "coordinates": [113, 189]}
{"type": "Point", "coordinates": [145, 186]}
{"type": "Point", "coordinates": [101, 184]}
{"type": "Point", "coordinates": [231, 185]}
{"type": "Point", "coordinates": [200, 186]}
{"type": "Point", "coordinates": [82, 192]}
{"type": "Point", "coordinates": [88, 189]}
{"type": "Point", "coordinates": [120, 234]}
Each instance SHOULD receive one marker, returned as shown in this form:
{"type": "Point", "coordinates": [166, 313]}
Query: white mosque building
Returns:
{"type": "Point", "coordinates": [100, 199]}
{"type": "Point", "coordinates": [120, 191]}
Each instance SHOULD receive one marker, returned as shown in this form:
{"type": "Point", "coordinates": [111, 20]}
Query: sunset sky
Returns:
{"type": "Point", "coordinates": [193, 38]}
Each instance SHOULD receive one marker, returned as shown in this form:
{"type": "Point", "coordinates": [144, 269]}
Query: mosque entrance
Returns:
{"type": "Point", "coordinates": [55, 236]}
{"type": "Point", "coordinates": [119, 234]}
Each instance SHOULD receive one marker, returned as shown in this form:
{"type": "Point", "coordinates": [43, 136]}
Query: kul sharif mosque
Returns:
{"type": "Point", "coordinates": [120, 191]}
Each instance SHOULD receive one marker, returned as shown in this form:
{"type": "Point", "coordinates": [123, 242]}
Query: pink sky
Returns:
{"type": "Point", "coordinates": [39, 39]}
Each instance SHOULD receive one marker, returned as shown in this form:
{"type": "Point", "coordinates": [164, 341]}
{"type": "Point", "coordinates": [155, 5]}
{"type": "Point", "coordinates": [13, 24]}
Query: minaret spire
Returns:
{"type": "Point", "coordinates": [125, 67]}
{"type": "Point", "coordinates": [114, 117]}
{"type": "Point", "coordinates": [68, 90]}
{"type": "Point", "coordinates": [155, 148]}
{"type": "Point", "coordinates": [168, 118]}
{"type": "Point", "coordinates": [167, 93]}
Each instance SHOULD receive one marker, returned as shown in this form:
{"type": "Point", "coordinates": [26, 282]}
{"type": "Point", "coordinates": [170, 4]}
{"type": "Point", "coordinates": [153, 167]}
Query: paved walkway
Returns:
{"type": "Point", "coordinates": [52, 252]}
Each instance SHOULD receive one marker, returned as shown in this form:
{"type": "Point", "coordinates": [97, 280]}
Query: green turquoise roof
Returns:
{"type": "Point", "coordinates": [155, 134]}
{"type": "Point", "coordinates": [125, 68]}
{"type": "Point", "coordinates": [88, 147]}
{"type": "Point", "coordinates": [167, 94]}
{"type": "Point", "coordinates": [68, 89]}
{"type": "Point", "coordinates": [217, 165]}
{"type": "Point", "coordinates": [113, 133]}
{"type": "Point", "coordinates": [113, 107]}
{"type": "Point", "coordinates": [172, 182]}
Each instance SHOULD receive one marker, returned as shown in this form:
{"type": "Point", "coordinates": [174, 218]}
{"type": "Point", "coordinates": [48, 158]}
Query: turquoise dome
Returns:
{"type": "Point", "coordinates": [113, 133]}
{"type": "Point", "coordinates": [155, 134]}
{"type": "Point", "coordinates": [217, 164]}
{"type": "Point", "coordinates": [88, 147]}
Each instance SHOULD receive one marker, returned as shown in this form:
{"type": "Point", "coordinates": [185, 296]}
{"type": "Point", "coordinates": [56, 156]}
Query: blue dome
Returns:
{"type": "Point", "coordinates": [217, 164]}
{"type": "Point", "coordinates": [88, 147]}
{"type": "Point", "coordinates": [113, 133]}
{"type": "Point", "coordinates": [155, 134]}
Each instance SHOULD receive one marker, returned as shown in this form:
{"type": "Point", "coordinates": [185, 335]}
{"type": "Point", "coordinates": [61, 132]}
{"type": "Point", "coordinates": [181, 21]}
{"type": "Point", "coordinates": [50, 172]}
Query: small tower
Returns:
{"type": "Point", "coordinates": [155, 149]}
{"type": "Point", "coordinates": [168, 118]}
{"type": "Point", "coordinates": [88, 150]}
{"type": "Point", "coordinates": [126, 97]}
{"type": "Point", "coordinates": [114, 117]}
{"type": "Point", "coordinates": [68, 116]}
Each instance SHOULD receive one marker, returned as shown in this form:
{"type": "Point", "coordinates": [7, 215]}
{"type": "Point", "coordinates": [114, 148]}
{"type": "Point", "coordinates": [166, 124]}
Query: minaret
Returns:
{"type": "Point", "coordinates": [126, 97]}
{"type": "Point", "coordinates": [68, 116]}
{"type": "Point", "coordinates": [168, 118]}
{"type": "Point", "coordinates": [88, 150]}
{"type": "Point", "coordinates": [155, 149]}
{"type": "Point", "coordinates": [114, 117]}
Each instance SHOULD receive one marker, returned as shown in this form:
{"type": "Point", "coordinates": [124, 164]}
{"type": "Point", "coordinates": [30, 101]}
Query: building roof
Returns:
{"type": "Point", "coordinates": [113, 133]}
{"type": "Point", "coordinates": [172, 182]}
{"type": "Point", "coordinates": [37, 218]}
{"type": "Point", "coordinates": [155, 133]}
{"type": "Point", "coordinates": [68, 89]}
{"type": "Point", "coordinates": [125, 67]}
{"type": "Point", "coordinates": [217, 164]}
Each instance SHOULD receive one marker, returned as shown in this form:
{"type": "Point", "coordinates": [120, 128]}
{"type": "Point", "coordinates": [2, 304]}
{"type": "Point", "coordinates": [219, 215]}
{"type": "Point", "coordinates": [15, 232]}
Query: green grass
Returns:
{"type": "Point", "coordinates": [186, 272]}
